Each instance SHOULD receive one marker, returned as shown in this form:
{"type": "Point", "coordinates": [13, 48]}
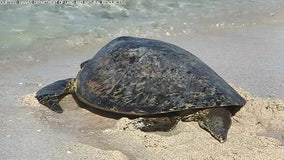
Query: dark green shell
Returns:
{"type": "Point", "coordinates": [144, 76]}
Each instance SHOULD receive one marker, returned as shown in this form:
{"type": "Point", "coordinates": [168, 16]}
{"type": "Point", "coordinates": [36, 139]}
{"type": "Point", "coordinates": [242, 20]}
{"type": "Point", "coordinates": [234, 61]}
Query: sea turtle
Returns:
{"type": "Point", "coordinates": [156, 80]}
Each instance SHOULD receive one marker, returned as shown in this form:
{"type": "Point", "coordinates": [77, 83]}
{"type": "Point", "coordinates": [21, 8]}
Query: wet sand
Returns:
{"type": "Point", "coordinates": [251, 59]}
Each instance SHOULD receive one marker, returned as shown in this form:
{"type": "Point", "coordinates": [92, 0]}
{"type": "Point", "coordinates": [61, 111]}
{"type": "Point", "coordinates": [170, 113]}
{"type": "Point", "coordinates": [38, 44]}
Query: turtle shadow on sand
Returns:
{"type": "Point", "coordinates": [118, 116]}
{"type": "Point", "coordinates": [99, 112]}
{"type": "Point", "coordinates": [162, 123]}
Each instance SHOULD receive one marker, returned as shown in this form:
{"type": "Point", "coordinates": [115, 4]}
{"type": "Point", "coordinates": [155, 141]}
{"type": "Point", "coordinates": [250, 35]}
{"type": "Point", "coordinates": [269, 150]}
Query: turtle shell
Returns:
{"type": "Point", "coordinates": [143, 76]}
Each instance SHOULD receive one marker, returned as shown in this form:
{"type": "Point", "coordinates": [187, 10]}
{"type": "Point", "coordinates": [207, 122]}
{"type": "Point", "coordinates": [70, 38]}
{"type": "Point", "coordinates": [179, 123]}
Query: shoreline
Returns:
{"type": "Point", "coordinates": [250, 58]}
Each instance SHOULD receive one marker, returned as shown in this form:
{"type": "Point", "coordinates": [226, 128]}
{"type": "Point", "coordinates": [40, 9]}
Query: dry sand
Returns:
{"type": "Point", "coordinates": [257, 133]}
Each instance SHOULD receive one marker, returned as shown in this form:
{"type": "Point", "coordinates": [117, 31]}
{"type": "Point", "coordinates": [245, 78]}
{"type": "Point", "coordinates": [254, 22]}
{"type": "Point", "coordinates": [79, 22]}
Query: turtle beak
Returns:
{"type": "Point", "coordinates": [217, 123]}
{"type": "Point", "coordinates": [219, 129]}
{"type": "Point", "coordinates": [221, 138]}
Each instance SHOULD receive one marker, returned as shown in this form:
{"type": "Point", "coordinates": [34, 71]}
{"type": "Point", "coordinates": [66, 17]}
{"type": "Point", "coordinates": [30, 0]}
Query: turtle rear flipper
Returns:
{"type": "Point", "coordinates": [51, 94]}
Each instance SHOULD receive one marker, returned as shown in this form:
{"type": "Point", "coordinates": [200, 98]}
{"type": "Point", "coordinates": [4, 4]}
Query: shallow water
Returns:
{"type": "Point", "coordinates": [24, 25]}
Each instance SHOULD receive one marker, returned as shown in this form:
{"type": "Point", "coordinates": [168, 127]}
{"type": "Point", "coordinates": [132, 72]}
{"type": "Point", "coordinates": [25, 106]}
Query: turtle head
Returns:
{"type": "Point", "coordinates": [217, 122]}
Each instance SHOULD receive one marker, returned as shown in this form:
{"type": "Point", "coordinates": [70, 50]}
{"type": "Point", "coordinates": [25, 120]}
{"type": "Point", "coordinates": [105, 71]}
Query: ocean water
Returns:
{"type": "Point", "coordinates": [24, 25]}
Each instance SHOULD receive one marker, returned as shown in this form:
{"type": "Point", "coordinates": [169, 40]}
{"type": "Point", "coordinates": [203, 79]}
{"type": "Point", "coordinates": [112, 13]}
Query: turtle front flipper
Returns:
{"type": "Point", "coordinates": [156, 124]}
{"type": "Point", "coordinates": [217, 122]}
{"type": "Point", "coordinates": [51, 94]}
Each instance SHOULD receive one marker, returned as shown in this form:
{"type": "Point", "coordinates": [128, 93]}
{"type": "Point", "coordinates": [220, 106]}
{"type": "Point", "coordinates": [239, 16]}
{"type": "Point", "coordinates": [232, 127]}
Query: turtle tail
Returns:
{"type": "Point", "coordinates": [51, 94]}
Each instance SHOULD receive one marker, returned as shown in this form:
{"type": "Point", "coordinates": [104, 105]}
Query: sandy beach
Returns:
{"type": "Point", "coordinates": [250, 59]}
